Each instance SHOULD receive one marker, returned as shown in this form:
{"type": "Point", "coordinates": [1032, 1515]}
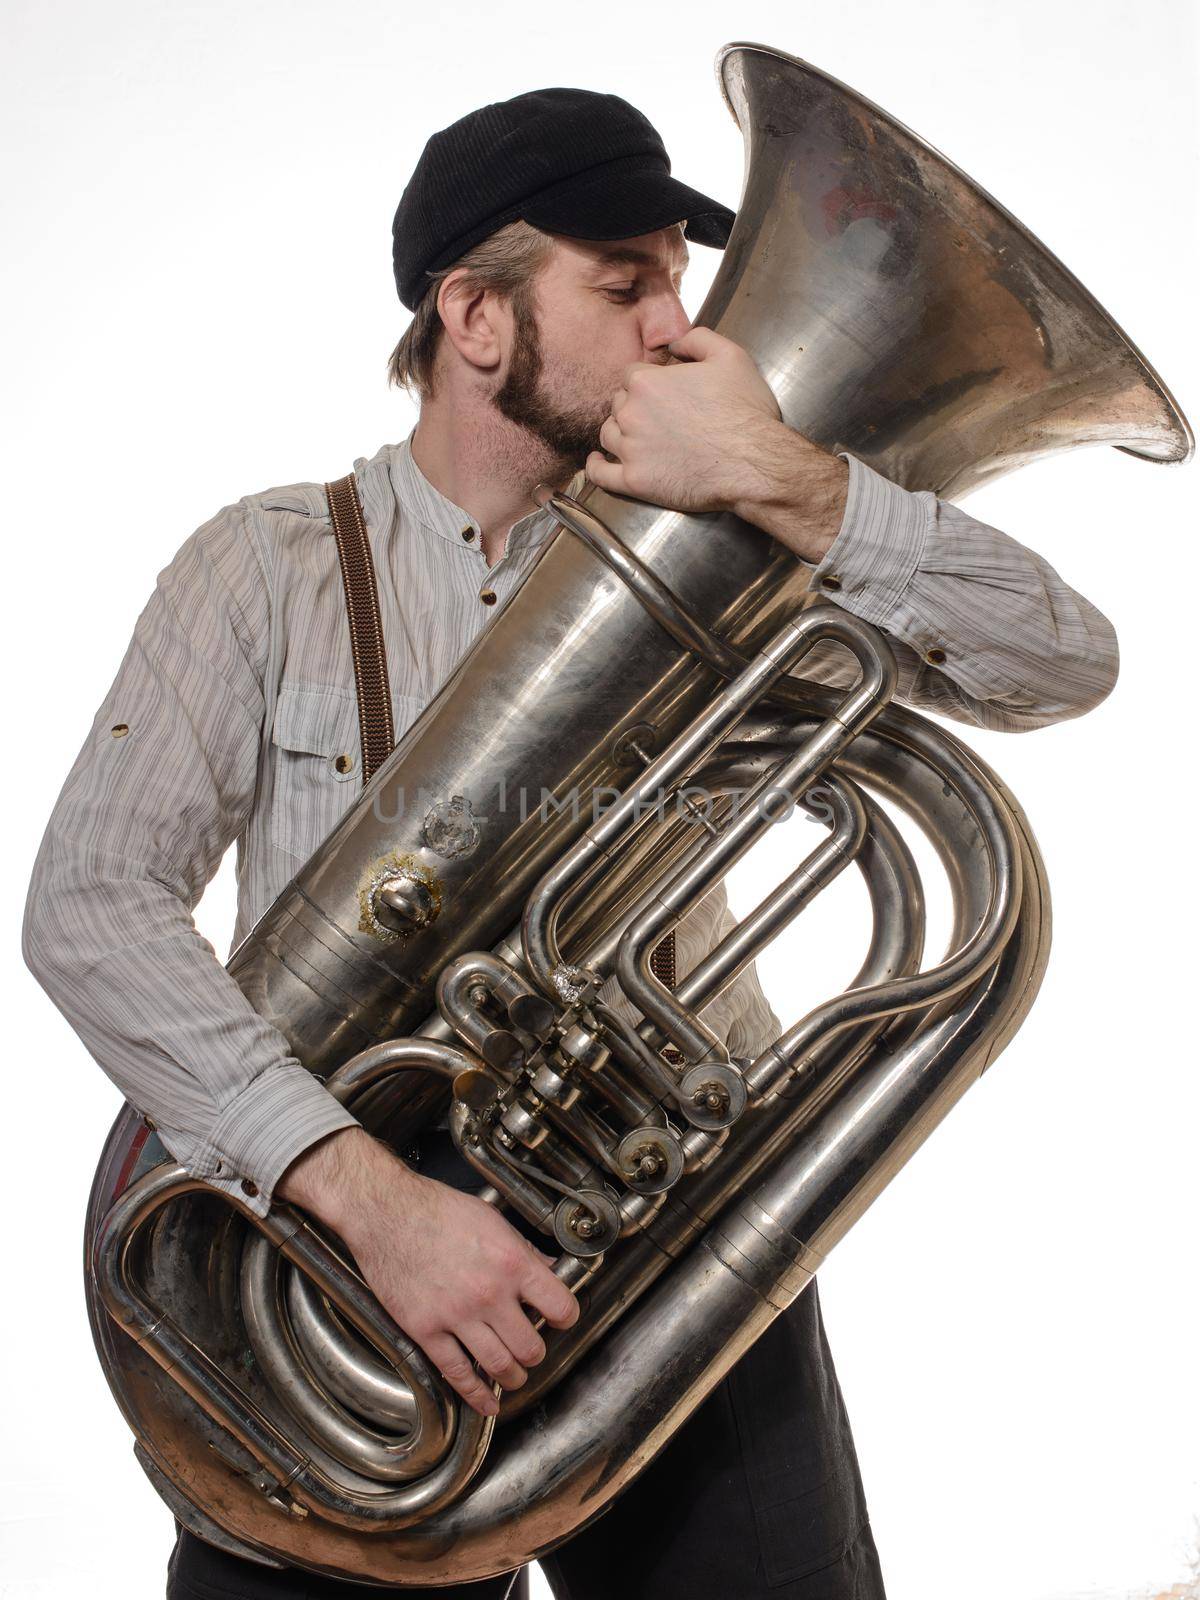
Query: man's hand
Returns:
{"type": "Point", "coordinates": [446, 1266]}
{"type": "Point", "coordinates": [704, 434]}
{"type": "Point", "coordinates": [678, 432]}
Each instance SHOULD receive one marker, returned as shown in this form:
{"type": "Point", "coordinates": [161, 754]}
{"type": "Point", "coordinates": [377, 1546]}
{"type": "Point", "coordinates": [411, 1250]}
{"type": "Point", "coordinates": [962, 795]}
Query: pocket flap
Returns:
{"type": "Point", "coordinates": [316, 720]}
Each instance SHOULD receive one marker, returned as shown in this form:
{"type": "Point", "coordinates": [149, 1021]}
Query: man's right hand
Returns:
{"type": "Point", "coordinates": [447, 1267]}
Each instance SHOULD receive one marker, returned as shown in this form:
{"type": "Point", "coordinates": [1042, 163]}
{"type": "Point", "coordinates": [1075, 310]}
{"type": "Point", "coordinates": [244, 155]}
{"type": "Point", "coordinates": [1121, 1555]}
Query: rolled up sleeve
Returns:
{"type": "Point", "coordinates": [983, 629]}
{"type": "Point", "coordinates": [164, 783]}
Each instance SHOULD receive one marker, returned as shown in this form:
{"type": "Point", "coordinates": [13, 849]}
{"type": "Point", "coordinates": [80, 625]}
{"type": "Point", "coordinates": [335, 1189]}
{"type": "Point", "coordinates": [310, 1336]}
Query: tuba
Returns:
{"type": "Point", "coordinates": [444, 951]}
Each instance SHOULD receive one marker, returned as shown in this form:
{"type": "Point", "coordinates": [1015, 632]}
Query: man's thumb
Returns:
{"type": "Point", "coordinates": [696, 344]}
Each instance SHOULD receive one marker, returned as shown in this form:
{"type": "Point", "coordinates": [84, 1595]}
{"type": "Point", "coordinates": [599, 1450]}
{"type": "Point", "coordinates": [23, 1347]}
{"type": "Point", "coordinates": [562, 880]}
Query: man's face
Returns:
{"type": "Point", "coordinates": [597, 307]}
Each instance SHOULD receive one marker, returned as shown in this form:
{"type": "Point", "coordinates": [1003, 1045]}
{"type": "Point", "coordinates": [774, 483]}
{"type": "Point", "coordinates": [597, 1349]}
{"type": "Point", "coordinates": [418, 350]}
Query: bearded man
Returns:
{"type": "Point", "coordinates": [540, 244]}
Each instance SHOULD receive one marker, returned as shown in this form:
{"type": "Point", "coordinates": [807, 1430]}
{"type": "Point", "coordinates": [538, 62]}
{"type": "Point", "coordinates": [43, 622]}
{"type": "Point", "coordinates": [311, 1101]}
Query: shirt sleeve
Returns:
{"type": "Point", "coordinates": [163, 784]}
{"type": "Point", "coordinates": [983, 629]}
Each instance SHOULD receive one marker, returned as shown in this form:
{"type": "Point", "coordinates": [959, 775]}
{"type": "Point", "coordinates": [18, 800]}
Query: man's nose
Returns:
{"type": "Point", "coordinates": [666, 320]}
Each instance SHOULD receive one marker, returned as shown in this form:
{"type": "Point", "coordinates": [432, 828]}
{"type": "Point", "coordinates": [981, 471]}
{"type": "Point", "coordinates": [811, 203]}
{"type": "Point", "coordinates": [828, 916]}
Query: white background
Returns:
{"type": "Point", "coordinates": [200, 305]}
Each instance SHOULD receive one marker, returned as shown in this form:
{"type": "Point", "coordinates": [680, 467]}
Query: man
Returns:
{"type": "Point", "coordinates": [540, 245]}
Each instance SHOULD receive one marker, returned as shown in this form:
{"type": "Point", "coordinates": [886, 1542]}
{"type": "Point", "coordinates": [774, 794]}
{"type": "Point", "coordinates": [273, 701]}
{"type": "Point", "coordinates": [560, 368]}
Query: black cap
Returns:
{"type": "Point", "coordinates": [567, 161]}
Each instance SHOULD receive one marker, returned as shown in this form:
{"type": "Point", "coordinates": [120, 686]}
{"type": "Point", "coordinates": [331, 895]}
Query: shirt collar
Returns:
{"type": "Point", "coordinates": [428, 506]}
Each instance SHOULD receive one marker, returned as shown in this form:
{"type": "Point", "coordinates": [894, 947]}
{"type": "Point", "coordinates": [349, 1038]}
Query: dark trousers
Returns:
{"type": "Point", "coordinates": [757, 1495]}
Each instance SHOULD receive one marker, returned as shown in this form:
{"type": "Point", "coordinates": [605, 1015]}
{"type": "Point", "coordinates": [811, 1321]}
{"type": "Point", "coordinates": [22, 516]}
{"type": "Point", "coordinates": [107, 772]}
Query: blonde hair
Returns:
{"type": "Point", "coordinates": [507, 262]}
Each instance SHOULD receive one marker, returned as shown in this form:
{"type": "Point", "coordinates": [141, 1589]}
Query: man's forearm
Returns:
{"type": "Point", "coordinates": [793, 489]}
{"type": "Point", "coordinates": [119, 955]}
{"type": "Point", "coordinates": [336, 1177]}
{"type": "Point", "coordinates": [982, 628]}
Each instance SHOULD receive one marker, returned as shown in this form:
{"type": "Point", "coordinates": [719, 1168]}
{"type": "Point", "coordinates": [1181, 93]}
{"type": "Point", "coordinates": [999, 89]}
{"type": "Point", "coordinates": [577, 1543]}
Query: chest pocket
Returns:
{"type": "Point", "coordinates": [317, 764]}
{"type": "Point", "coordinates": [317, 757]}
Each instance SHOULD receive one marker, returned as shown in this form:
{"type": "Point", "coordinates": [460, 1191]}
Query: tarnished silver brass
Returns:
{"type": "Point", "coordinates": [450, 960]}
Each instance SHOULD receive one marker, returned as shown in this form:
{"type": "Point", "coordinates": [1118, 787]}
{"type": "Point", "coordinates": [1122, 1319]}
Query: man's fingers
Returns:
{"type": "Point", "coordinates": [454, 1365]}
{"type": "Point", "coordinates": [634, 368]}
{"type": "Point", "coordinates": [604, 473]}
{"type": "Point", "coordinates": [697, 344]}
{"type": "Point", "coordinates": [493, 1354]}
{"type": "Point", "coordinates": [518, 1334]}
{"type": "Point", "coordinates": [618, 400]}
{"type": "Point", "coordinates": [610, 436]}
{"type": "Point", "coordinates": [554, 1300]}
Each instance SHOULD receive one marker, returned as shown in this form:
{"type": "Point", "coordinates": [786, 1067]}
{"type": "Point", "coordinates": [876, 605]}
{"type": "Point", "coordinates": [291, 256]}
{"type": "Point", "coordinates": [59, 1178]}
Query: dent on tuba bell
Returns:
{"type": "Point", "coordinates": [450, 961]}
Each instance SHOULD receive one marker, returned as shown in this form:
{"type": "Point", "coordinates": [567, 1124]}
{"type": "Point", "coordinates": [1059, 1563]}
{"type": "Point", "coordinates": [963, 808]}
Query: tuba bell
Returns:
{"type": "Point", "coordinates": [446, 955]}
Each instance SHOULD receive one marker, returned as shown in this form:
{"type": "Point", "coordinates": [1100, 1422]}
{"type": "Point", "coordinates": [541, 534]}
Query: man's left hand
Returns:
{"type": "Point", "coordinates": [705, 434]}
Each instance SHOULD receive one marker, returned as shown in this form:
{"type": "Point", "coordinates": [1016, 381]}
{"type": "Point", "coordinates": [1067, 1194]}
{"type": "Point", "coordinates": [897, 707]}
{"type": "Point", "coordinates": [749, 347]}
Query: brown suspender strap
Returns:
{"type": "Point", "coordinates": [662, 965]}
{"type": "Point", "coordinates": [366, 631]}
{"type": "Point", "coordinates": [370, 657]}
{"type": "Point", "coordinates": [662, 960]}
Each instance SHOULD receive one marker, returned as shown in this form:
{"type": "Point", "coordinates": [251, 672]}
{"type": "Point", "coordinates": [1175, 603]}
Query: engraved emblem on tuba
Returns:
{"type": "Point", "coordinates": [450, 960]}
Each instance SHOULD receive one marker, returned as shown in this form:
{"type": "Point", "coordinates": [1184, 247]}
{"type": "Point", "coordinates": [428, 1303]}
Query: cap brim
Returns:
{"type": "Point", "coordinates": [623, 205]}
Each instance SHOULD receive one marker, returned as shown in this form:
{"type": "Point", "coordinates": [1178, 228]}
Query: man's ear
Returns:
{"type": "Point", "coordinates": [474, 320]}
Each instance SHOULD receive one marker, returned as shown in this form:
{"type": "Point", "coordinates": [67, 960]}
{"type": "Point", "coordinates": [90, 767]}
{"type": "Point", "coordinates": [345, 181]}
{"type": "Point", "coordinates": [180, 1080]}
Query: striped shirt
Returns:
{"type": "Point", "coordinates": [233, 718]}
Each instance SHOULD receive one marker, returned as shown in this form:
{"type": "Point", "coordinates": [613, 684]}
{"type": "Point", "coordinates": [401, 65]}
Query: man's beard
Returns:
{"type": "Point", "coordinates": [572, 434]}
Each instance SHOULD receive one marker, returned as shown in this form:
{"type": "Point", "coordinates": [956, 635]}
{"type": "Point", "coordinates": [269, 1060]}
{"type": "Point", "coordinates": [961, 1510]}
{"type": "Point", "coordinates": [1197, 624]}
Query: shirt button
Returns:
{"type": "Point", "coordinates": [343, 764]}
{"type": "Point", "coordinates": [121, 729]}
{"type": "Point", "coordinates": [249, 1187]}
{"type": "Point", "coordinates": [468, 534]}
{"type": "Point", "coordinates": [935, 657]}
{"type": "Point", "coordinates": [488, 597]}
{"type": "Point", "coordinates": [831, 581]}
